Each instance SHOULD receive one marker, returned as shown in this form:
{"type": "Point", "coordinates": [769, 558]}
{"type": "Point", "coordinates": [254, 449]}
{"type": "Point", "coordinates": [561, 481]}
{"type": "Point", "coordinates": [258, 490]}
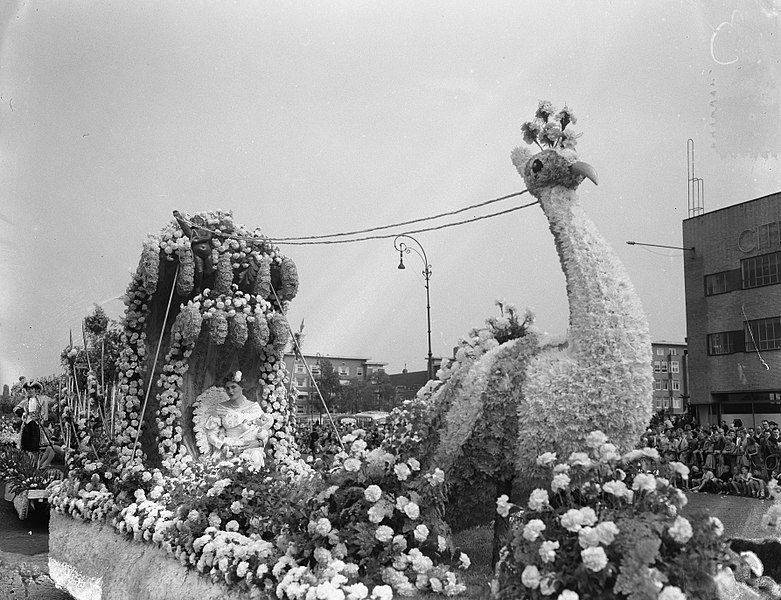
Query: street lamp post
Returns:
{"type": "Point", "coordinates": [403, 249]}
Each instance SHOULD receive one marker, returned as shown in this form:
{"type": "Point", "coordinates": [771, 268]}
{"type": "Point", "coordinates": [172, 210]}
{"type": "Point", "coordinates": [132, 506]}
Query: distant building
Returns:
{"type": "Point", "coordinates": [408, 383]}
{"type": "Point", "coordinates": [670, 377]}
{"type": "Point", "coordinates": [733, 311]}
{"type": "Point", "coordinates": [347, 368]}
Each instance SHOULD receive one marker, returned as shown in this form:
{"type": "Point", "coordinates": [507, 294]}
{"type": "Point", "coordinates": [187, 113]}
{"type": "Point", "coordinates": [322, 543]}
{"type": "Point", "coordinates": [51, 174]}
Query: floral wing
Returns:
{"type": "Point", "coordinates": [204, 412]}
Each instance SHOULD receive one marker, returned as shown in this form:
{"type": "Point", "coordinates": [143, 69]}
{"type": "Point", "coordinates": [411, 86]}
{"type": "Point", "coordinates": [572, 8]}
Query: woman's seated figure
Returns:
{"type": "Point", "coordinates": [238, 426]}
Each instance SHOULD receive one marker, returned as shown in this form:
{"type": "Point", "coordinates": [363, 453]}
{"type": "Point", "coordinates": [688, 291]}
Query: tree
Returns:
{"type": "Point", "coordinates": [385, 392]}
{"type": "Point", "coordinates": [328, 384]}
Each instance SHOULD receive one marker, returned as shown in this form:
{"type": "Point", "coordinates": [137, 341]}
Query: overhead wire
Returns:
{"type": "Point", "coordinates": [402, 223]}
{"type": "Point", "coordinates": [321, 239]}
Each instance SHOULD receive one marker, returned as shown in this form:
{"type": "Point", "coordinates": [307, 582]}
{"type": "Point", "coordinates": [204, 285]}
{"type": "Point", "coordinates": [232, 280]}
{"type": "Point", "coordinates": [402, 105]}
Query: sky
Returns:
{"type": "Point", "coordinates": [312, 118]}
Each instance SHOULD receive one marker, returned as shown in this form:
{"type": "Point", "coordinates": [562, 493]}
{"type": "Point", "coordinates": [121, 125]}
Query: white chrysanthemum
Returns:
{"type": "Point", "coordinates": [463, 561]}
{"type": "Point", "coordinates": [609, 453]}
{"type": "Point", "coordinates": [572, 520]}
{"type": "Point", "coordinates": [607, 532]}
{"type": "Point", "coordinates": [546, 459]}
{"type": "Point", "coordinates": [568, 595]}
{"type": "Point", "coordinates": [376, 513]}
{"type": "Point", "coordinates": [531, 577]}
{"type": "Point", "coordinates": [588, 537]}
{"type": "Point", "coordinates": [548, 550]}
{"type": "Point", "coordinates": [502, 506]}
{"type": "Point", "coordinates": [671, 592]}
{"type": "Point", "coordinates": [356, 591]}
{"type": "Point", "coordinates": [548, 584]}
{"type": "Point", "coordinates": [595, 439]}
{"type": "Point", "coordinates": [402, 471]}
{"type": "Point", "coordinates": [651, 453]}
{"type": "Point", "coordinates": [681, 530]}
{"type": "Point", "coordinates": [384, 534]}
{"type": "Point", "coordinates": [561, 468]}
{"type": "Point", "coordinates": [323, 526]}
{"type": "Point", "coordinates": [533, 529]}
{"type": "Point", "coordinates": [594, 559]}
{"type": "Point", "coordinates": [560, 482]}
{"type": "Point", "coordinates": [718, 526]}
{"type": "Point", "coordinates": [579, 459]}
{"type": "Point", "coordinates": [538, 499]}
{"type": "Point", "coordinates": [372, 493]}
{"type": "Point", "coordinates": [352, 465]}
{"type": "Point", "coordinates": [437, 477]}
{"type": "Point", "coordinates": [644, 482]}
{"type": "Point", "coordinates": [412, 510]}
{"type": "Point", "coordinates": [588, 516]}
{"type": "Point", "coordinates": [617, 488]}
{"type": "Point", "coordinates": [421, 533]}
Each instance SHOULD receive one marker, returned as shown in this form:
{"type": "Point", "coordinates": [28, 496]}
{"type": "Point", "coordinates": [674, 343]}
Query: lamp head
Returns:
{"type": "Point", "coordinates": [401, 261]}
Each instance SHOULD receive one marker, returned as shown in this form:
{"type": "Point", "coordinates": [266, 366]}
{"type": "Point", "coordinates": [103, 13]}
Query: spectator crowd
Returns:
{"type": "Point", "coordinates": [725, 459]}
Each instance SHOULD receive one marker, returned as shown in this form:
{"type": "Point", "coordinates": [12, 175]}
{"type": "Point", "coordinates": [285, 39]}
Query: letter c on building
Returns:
{"type": "Point", "coordinates": [742, 245]}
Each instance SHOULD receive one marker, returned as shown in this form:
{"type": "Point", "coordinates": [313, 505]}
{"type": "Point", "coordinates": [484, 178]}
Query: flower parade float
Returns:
{"type": "Point", "coordinates": [156, 506]}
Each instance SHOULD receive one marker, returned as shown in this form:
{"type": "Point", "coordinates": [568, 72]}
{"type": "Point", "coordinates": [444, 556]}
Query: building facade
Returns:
{"type": "Point", "coordinates": [670, 377]}
{"type": "Point", "coordinates": [348, 369]}
{"type": "Point", "coordinates": [733, 311]}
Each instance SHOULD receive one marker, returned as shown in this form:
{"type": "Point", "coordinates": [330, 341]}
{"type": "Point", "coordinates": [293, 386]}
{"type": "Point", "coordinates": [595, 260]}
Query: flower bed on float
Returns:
{"type": "Point", "coordinates": [369, 527]}
{"type": "Point", "coordinates": [608, 527]}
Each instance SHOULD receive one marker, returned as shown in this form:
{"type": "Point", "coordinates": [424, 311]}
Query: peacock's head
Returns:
{"type": "Point", "coordinates": [556, 163]}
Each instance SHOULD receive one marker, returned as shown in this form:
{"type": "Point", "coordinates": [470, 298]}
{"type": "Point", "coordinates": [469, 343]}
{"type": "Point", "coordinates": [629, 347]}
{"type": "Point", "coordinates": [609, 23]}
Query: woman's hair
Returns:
{"type": "Point", "coordinates": [234, 377]}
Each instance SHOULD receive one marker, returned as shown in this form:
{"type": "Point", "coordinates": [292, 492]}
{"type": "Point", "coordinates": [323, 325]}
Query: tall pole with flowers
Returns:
{"type": "Point", "coordinates": [403, 248]}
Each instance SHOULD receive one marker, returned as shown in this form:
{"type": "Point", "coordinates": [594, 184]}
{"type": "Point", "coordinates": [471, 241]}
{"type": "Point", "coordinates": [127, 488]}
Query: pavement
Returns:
{"type": "Point", "coordinates": [24, 545]}
{"type": "Point", "coordinates": [741, 516]}
{"type": "Point", "coordinates": [24, 554]}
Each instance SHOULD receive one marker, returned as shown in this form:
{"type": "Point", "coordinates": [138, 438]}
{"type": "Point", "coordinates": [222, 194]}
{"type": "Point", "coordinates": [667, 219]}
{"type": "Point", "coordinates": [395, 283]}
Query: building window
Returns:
{"type": "Point", "coordinates": [665, 385]}
{"type": "Point", "coordinates": [760, 270]}
{"type": "Point", "coordinates": [664, 366]}
{"type": "Point", "coordinates": [660, 351]}
{"type": "Point", "coordinates": [344, 371]}
{"type": "Point", "coordinates": [300, 367]}
{"type": "Point", "coordinates": [716, 283]}
{"type": "Point", "coordinates": [676, 402]}
{"type": "Point", "coordinates": [657, 366]}
{"type": "Point", "coordinates": [726, 342]}
{"type": "Point", "coordinates": [676, 385]}
{"type": "Point", "coordinates": [657, 385]}
{"type": "Point", "coordinates": [675, 366]}
{"type": "Point", "coordinates": [301, 382]}
{"type": "Point", "coordinates": [316, 369]}
{"type": "Point", "coordinates": [658, 404]}
{"type": "Point", "coordinates": [359, 371]}
{"type": "Point", "coordinates": [763, 334]}
{"type": "Point", "coordinates": [665, 402]}
{"type": "Point", "coordinates": [673, 351]}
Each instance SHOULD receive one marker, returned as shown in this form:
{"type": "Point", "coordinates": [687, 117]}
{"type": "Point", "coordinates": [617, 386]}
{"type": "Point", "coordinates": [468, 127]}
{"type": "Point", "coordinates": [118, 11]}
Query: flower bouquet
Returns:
{"type": "Point", "coordinates": [609, 528]}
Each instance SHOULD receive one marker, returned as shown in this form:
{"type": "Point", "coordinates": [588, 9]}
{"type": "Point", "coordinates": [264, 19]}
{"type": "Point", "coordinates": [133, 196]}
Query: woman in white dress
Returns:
{"type": "Point", "coordinates": [238, 426]}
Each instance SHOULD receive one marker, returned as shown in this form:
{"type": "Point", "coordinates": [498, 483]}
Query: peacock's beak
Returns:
{"type": "Point", "coordinates": [585, 169]}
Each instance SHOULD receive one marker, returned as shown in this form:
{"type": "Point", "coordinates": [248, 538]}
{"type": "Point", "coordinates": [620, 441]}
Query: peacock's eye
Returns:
{"type": "Point", "coordinates": [537, 166]}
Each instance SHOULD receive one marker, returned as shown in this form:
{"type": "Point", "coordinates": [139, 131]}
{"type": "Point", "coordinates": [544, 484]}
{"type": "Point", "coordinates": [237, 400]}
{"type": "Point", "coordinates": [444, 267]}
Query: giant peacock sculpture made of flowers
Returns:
{"type": "Point", "coordinates": [511, 395]}
{"type": "Point", "coordinates": [150, 509]}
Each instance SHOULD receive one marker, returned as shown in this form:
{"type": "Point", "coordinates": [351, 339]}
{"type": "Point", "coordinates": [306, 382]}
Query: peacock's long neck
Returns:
{"type": "Point", "coordinates": [607, 321]}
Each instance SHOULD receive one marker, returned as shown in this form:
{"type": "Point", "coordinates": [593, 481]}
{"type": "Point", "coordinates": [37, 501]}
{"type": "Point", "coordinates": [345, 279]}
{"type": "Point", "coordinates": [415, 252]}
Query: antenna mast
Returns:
{"type": "Point", "coordinates": [696, 186]}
